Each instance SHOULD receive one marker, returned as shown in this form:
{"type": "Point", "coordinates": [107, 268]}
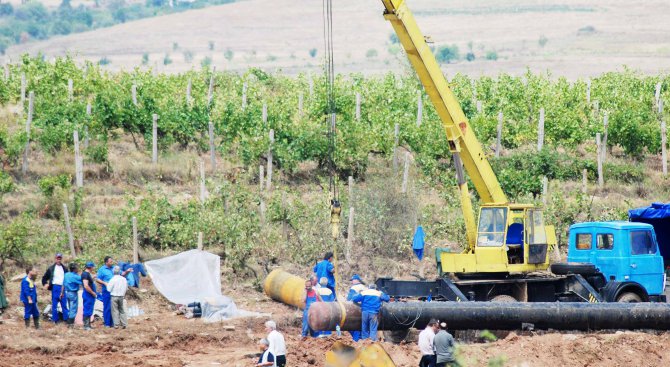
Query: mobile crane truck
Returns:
{"type": "Point", "coordinates": [610, 264]}
{"type": "Point", "coordinates": [507, 252]}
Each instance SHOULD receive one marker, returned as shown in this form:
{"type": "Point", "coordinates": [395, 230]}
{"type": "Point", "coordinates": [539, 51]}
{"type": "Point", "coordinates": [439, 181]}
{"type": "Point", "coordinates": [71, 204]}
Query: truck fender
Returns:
{"type": "Point", "coordinates": [613, 289]}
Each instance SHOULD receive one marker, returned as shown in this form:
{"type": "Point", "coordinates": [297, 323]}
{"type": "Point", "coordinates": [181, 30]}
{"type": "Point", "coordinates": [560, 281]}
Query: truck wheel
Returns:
{"type": "Point", "coordinates": [573, 268]}
{"type": "Point", "coordinates": [503, 298]}
{"type": "Point", "coordinates": [628, 297]}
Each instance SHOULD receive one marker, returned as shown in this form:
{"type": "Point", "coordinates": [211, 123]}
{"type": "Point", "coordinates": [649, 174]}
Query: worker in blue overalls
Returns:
{"type": "Point", "coordinates": [326, 269]}
{"type": "Point", "coordinates": [105, 275]}
{"type": "Point", "coordinates": [371, 302]}
{"type": "Point", "coordinates": [357, 287]}
{"type": "Point", "coordinates": [310, 297]}
{"type": "Point", "coordinates": [89, 295]}
{"type": "Point", "coordinates": [29, 297]}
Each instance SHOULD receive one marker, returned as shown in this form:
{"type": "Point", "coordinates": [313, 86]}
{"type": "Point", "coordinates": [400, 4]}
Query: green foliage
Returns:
{"type": "Point", "coordinates": [542, 41]}
{"type": "Point", "coordinates": [487, 336]}
{"type": "Point", "coordinates": [491, 55]}
{"type": "Point", "coordinates": [145, 58]}
{"type": "Point", "coordinates": [104, 61]}
{"type": "Point", "coordinates": [312, 52]}
{"type": "Point", "coordinates": [14, 239]}
{"type": "Point", "coordinates": [210, 45]}
{"type": "Point", "coordinates": [167, 60]}
{"type": "Point", "coordinates": [371, 53]}
{"type": "Point", "coordinates": [206, 62]}
{"type": "Point", "coordinates": [48, 184]}
{"type": "Point", "coordinates": [447, 54]}
{"type": "Point", "coordinates": [188, 56]}
{"type": "Point", "coordinates": [97, 153]}
{"type": "Point", "coordinates": [6, 183]}
{"type": "Point", "coordinates": [470, 56]}
{"type": "Point", "coordinates": [393, 38]}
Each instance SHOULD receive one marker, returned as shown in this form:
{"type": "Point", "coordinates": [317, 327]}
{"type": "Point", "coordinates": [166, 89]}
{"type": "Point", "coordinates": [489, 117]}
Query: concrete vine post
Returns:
{"type": "Point", "coordinates": [188, 92]}
{"type": "Point", "coordinates": [350, 233]}
{"type": "Point", "coordinates": [605, 128]}
{"type": "Point", "coordinates": [265, 113]}
{"type": "Point", "coordinates": [136, 246]}
{"type": "Point", "coordinates": [479, 106]}
{"type": "Point", "coordinates": [212, 147]}
{"type": "Point", "coordinates": [6, 72]}
{"type": "Point", "coordinates": [545, 190]}
{"type": "Point", "coordinates": [68, 228]}
{"type": "Point", "coordinates": [261, 178]}
{"type": "Point", "coordinates": [499, 134]}
{"type": "Point", "coordinates": [358, 106]}
{"type": "Point", "coordinates": [405, 175]}
{"type": "Point", "coordinates": [311, 86]}
{"type": "Point", "coordinates": [657, 93]}
{"type": "Point", "coordinates": [588, 91]}
{"type": "Point", "coordinates": [540, 131]}
{"type": "Point", "coordinates": [210, 90]}
{"type": "Point", "coordinates": [133, 92]}
{"type": "Point", "coordinates": [154, 139]}
{"type": "Point", "coordinates": [351, 191]}
{"type": "Point", "coordinates": [585, 178]}
{"type": "Point", "coordinates": [301, 102]}
{"type": "Point", "coordinates": [244, 96]}
{"type": "Point", "coordinates": [78, 162]}
{"type": "Point", "coordinates": [664, 147]}
{"type": "Point", "coordinates": [29, 120]}
{"type": "Point", "coordinates": [660, 106]}
{"type": "Point", "coordinates": [419, 109]}
{"type": "Point", "coordinates": [70, 90]}
{"type": "Point", "coordinates": [200, 241]}
{"type": "Point", "coordinates": [269, 170]}
{"type": "Point", "coordinates": [599, 148]}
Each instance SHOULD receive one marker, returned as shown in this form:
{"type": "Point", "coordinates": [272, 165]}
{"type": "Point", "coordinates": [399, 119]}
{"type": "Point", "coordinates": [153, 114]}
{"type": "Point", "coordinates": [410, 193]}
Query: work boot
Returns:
{"type": "Point", "coordinates": [87, 323]}
{"type": "Point", "coordinates": [27, 322]}
{"type": "Point", "coordinates": [36, 321]}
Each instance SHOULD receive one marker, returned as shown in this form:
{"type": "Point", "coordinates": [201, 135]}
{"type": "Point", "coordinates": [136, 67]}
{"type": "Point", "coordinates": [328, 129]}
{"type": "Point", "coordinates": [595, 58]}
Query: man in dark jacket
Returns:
{"type": "Point", "coordinates": [53, 280]}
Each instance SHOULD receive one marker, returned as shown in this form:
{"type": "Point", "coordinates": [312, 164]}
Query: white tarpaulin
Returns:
{"type": "Point", "coordinates": [190, 276]}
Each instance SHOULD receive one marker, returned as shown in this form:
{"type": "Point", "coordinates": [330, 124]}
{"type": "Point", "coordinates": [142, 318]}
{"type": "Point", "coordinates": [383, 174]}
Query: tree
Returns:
{"type": "Point", "coordinates": [470, 56]}
{"type": "Point", "coordinates": [393, 38]}
{"type": "Point", "coordinates": [447, 54]}
{"type": "Point", "coordinates": [371, 54]}
{"type": "Point", "coordinates": [145, 58]}
{"type": "Point", "coordinates": [228, 54]}
{"type": "Point", "coordinates": [542, 41]}
{"type": "Point", "coordinates": [312, 52]}
{"type": "Point", "coordinates": [492, 55]}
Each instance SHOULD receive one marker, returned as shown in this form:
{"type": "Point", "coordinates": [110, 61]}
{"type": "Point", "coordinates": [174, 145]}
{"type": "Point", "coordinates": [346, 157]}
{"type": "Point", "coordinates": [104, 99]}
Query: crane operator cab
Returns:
{"type": "Point", "coordinates": [510, 238]}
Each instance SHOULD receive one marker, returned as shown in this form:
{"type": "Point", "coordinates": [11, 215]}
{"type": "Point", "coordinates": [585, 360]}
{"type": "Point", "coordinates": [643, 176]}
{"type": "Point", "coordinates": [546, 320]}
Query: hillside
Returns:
{"type": "Point", "coordinates": [571, 38]}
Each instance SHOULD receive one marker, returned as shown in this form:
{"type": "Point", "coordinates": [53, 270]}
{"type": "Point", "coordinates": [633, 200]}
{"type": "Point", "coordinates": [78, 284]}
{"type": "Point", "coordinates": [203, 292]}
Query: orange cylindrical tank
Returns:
{"type": "Point", "coordinates": [285, 287]}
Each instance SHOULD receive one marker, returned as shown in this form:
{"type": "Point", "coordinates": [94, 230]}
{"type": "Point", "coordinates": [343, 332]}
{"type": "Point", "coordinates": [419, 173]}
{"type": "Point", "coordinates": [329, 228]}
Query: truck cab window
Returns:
{"type": "Point", "coordinates": [492, 222]}
{"type": "Point", "coordinates": [584, 241]}
{"type": "Point", "coordinates": [604, 241]}
{"type": "Point", "coordinates": [641, 243]}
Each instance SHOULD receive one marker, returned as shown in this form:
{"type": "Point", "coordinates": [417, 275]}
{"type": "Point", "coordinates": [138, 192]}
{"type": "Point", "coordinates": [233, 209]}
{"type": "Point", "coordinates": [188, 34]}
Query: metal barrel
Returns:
{"type": "Point", "coordinates": [504, 316]}
{"type": "Point", "coordinates": [285, 287]}
{"type": "Point", "coordinates": [327, 315]}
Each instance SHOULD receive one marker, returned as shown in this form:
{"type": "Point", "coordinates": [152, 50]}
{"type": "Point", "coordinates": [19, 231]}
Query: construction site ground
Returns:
{"type": "Point", "coordinates": [160, 337]}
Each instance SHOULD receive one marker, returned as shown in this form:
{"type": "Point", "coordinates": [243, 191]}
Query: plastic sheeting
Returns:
{"type": "Point", "coordinates": [187, 277]}
{"type": "Point", "coordinates": [658, 215]}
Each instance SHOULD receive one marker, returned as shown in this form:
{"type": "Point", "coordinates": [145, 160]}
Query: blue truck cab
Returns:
{"type": "Point", "coordinates": [626, 253]}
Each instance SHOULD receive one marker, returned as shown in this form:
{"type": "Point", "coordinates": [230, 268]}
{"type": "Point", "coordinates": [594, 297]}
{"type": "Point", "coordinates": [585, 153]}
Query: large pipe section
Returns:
{"type": "Point", "coordinates": [285, 287]}
{"type": "Point", "coordinates": [499, 315]}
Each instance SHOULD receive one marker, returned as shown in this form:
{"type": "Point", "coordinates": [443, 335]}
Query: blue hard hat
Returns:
{"type": "Point", "coordinates": [90, 264]}
{"type": "Point", "coordinates": [356, 277]}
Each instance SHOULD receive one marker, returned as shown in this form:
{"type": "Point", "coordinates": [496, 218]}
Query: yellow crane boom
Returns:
{"type": "Point", "coordinates": [459, 133]}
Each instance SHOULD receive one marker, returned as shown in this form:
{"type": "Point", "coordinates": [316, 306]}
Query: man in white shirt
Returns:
{"type": "Point", "coordinates": [426, 344]}
{"type": "Point", "coordinates": [117, 287]}
{"type": "Point", "coordinates": [277, 343]}
{"type": "Point", "coordinates": [53, 280]}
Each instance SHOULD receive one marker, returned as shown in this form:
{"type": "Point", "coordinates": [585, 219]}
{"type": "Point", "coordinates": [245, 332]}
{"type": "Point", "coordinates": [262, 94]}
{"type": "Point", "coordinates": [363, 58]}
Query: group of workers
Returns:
{"type": "Point", "coordinates": [65, 283]}
{"type": "Point", "coordinates": [321, 288]}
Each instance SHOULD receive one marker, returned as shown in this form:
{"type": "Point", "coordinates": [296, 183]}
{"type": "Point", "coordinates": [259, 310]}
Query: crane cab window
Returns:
{"type": "Point", "coordinates": [604, 241]}
{"type": "Point", "coordinates": [584, 241]}
{"type": "Point", "coordinates": [641, 243]}
{"type": "Point", "coordinates": [491, 231]}
{"type": "Point", "coordinates": [535, 231]}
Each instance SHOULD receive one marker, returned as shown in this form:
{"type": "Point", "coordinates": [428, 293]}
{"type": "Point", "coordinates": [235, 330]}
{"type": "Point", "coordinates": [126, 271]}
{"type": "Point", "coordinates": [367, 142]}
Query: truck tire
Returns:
{"type": "Point", "coordinates": [573, 268]}
{"type": "Point", "coordinates": [628, 297]}
{"type": "Point", "coordinates": [503, 298]}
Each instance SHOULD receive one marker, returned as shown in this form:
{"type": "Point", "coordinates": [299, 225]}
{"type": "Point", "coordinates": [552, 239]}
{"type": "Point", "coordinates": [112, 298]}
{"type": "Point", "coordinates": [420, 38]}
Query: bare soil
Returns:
{"type": "Point", "coordinates": [161, 338]}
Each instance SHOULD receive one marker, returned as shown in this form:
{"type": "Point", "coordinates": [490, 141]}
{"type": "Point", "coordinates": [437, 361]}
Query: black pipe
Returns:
{"type": "Point", "coordinates": [509, 316]}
